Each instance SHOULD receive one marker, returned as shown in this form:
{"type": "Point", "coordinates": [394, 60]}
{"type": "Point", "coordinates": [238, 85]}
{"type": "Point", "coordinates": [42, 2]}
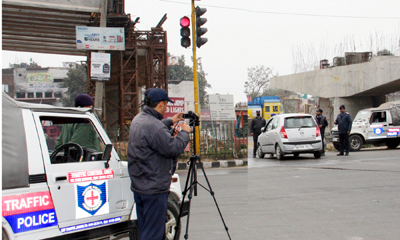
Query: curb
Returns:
{"type": "Point", "coordinates": [219, 164]}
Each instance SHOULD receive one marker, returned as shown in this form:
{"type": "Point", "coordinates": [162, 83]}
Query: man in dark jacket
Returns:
{"type": "Point", "coordinates": [322, 124]}
{"type": "Point", "coordinates": [255, 130]}
{"type": "Point", "coordinates": [151, 151]}
{"type": "Point", "coordinates": [344, 123]}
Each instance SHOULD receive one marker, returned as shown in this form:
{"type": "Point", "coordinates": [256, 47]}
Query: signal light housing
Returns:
{"type": "Point", "coordinates": [199, 30]}
{"type": "Point", "coordinates": [185, 32]}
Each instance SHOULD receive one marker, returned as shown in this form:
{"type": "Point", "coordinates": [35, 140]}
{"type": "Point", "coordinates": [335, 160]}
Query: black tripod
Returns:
{"type": "Point", "coordinates": [192, 186]}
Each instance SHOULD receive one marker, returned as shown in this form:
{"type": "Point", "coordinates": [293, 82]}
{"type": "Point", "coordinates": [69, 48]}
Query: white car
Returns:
{"type": "Point", "coordinates": [290, 134]}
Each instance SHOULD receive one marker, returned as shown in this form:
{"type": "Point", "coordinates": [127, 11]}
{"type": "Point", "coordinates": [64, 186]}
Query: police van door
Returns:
{"type": "Point", "coordinates": [85, 193]}
{"type": "Point", "coordinates": [378, 125]}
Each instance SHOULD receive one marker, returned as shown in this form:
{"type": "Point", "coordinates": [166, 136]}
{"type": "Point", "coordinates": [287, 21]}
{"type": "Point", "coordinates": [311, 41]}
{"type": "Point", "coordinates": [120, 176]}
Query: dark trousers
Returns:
{"type": "Point", "coordinates": [151, 213]}
{"type": "Point", "coordinates": [255, 141]}
{"type": "Point", "coordinates": [323, 141]}
{"type": "Point", "coordinates": [344, 142]}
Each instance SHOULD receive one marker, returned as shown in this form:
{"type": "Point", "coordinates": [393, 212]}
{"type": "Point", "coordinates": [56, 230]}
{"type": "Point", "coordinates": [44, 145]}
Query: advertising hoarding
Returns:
{"type": "Point", "coordinates": [100, 38]}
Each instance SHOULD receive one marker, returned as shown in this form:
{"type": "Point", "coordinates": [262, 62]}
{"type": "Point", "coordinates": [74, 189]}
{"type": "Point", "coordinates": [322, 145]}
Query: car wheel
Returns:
{"type": "Point", "coordinates": [4, 235]}
{"type": "Point", "coordinates": [172, 219]}
{"type": "Point", "coordinates": [296, 154]}
{"type": "Point", "coordinates": [337, 146]}
{"type": "Point", "coordinates": [392, 144]}
{"type": "Point", "coordinates": [355, 142]}
{"type": "Point", "coordinates": [317, 154]}
{"type": "Point", "coordinates": [279, 153]}
{"type": "Point", "coordinates": [260, 154]}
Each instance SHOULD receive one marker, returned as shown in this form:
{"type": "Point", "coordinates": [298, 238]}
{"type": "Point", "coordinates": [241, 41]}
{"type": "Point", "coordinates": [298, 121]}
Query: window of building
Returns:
{"type": "Point", "coordinates": [48, 94]}
{"type": "Point", "coordinates": [267, 109]}
{"type": "Point", "coordinates": [58, 80]}
{"type": "Point", "coordinates": [275, 108]}
{"type": "Point", "coordinates": [20, 95]}
{"type": "Point", "coordinates": [30, 95]}
{"type": "Point", "coordinates": [39, 95]}
{"type": "Point", "coordinates": [57, 95]}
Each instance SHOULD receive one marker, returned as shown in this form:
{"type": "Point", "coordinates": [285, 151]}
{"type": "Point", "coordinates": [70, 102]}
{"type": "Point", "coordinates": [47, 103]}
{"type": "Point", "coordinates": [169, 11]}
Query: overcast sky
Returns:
{"type": "Point", "coordinates": [243, 34]}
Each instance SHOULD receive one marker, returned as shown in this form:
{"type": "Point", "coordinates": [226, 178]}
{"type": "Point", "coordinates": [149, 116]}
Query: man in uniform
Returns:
{"type": "Point", "coordinates": [151, 153]}
{"type": "Point", "coordinates": [255, 129]}
{"type": "Point", "coordinates": [344, 123]}
{"type": "Point", "coordinates": [322, 124]}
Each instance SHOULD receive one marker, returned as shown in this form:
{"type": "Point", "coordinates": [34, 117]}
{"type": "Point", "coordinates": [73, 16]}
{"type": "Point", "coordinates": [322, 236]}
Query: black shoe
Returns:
{"type": "Point", "coordinates": [339, 154]}
{"type": "Point", "coordinates": [322, 154]}
{"type": "Point", "coordinates": [347, 154]}
{"type": "Point", "coordinates": [254, 156]}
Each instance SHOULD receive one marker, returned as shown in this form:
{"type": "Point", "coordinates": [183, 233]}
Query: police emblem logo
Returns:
{"type": "Point", "coordinates": [378, 131]}
{"type": "Point", "coordinates": [92, 197]}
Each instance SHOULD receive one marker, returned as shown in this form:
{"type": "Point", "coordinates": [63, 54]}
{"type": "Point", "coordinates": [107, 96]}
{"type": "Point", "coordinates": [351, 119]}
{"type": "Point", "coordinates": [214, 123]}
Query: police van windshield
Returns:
{"type": "Point", "coordinates": [362, 116]}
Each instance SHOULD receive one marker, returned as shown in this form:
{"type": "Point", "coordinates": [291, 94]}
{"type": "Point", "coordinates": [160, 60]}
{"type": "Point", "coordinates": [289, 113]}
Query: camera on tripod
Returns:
{"type": "Point", "coordinates": [193, 118]}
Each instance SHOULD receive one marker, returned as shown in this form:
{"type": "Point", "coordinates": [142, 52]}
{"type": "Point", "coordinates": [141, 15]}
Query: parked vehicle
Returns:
{"type": "Point", "coordinates": [68, 192]}
{"type": "Point", "coordinates": [379, 125]}
{"type": "Point", "coordinates": [290, 134]}
{"type": "Point", "coordinates": [267, 105]}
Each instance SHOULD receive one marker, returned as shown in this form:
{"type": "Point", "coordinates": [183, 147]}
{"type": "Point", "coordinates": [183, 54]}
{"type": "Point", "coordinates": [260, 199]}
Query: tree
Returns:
{"type": "Point", "coordinates": [257, 80]}
{"type": "Point", "coordinates": [76, 82]}
{"type": "Point", "coordinates": [182, 72]}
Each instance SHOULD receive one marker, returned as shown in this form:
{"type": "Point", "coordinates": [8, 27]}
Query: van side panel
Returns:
{"type": "Point", "coordinates": [15, 160]}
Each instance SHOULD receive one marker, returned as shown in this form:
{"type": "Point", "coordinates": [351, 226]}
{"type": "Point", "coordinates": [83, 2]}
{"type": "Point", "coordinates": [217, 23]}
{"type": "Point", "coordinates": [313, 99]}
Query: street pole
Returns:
{"type": "Point", "coordinates": [196, 88]}
{"type": "Point", "coordinates": [98, 97]}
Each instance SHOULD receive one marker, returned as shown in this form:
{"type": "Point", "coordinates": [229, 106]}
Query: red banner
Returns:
{"type": "Point", "coordinates": [173, 108]}
{"type": "Point", "coordinates": [91, 175]}
{"type": "Point", "coordinates": [25, 203]}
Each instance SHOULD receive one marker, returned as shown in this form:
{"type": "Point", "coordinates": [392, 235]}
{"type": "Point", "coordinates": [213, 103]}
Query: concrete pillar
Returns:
{"type": "Point", "coordinates": [354, 104]}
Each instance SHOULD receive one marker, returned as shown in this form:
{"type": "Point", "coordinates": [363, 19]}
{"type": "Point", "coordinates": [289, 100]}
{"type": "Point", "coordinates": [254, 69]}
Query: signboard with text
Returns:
{"type": "Point", "coordinates": [222, 107]}
{"type": "Point", "coordinates": [100, 38]}
{"type": "Point", "coordinates": [176, 107]}
{"type": "Point", "coordinates": [100, 66]}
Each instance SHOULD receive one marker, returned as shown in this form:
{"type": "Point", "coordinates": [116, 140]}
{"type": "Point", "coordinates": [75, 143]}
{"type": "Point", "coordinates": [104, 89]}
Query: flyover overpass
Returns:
{"type": "Point", "coordinates": [357, 86]}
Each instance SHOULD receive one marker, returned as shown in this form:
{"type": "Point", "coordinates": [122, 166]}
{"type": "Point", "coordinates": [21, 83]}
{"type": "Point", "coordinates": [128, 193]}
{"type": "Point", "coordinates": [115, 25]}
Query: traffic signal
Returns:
{"type": "Point", "coordinates": [185, 32]}
{"type": "Point", "coordinates": [199, 30]}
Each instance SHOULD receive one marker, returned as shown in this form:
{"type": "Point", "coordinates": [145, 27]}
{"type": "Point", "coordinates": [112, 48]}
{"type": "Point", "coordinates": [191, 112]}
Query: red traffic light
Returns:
{"type": "Point", "coordinates": [185, 22]}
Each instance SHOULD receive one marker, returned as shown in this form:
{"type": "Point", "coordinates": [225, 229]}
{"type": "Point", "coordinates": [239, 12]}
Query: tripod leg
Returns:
{"type": "Point", "coordinates": [192, 186]}
{"type": "Point", "coordinates": [177, 227]}
{"type": "Point", "coordinates": [215, 200]}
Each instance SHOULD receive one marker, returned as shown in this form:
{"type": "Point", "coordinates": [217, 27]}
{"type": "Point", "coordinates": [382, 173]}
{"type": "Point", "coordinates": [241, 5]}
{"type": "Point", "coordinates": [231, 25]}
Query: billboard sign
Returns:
{"type": "Point", "coordinates": [100, 38]}
{"type": "Point", "coordinates": [222, 107]}
{"type": "Point", "coordinates": [100, 66]}
{"type": "Point", "coordinates": [176, 107]}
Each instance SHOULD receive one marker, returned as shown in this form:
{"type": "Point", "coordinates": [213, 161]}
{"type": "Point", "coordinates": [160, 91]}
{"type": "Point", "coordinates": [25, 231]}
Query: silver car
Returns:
{"type": "Point", "coordinates": [290, 134]}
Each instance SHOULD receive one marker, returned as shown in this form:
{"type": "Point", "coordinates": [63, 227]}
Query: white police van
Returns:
{"type": "Point", "coordinates": [68, 192]}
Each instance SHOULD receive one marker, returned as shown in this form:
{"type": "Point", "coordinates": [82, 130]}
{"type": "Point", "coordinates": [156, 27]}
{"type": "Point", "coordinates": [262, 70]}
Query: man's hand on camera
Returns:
{"type": "Point", "coordinates": [177, 117]}
{"type": "Point", "coordinates": [186, 127]}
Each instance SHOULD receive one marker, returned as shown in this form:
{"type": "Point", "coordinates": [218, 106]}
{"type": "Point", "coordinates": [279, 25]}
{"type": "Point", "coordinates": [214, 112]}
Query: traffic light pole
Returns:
{"type": "Point", "coordinates": [196, 85]}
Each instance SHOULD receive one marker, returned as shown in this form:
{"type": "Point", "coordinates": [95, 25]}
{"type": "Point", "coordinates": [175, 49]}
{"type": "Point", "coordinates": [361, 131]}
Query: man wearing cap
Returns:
{"type": "Point", "coordinates": [255, 129]}
{"type": "Point", "coordinates": [322, 124]}
{"type": "Point", "coordinates": [344, 123]}
{"type": "Point", "coordinates": [151, 153]}
{"type": "Point", "coordinates": [81, 133]}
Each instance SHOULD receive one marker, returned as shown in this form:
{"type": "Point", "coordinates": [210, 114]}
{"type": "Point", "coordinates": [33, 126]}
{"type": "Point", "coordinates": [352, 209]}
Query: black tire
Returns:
{"type": "Point", "coordinates": [279, 153]}
{"type": "Point", "coordinates": [260, 154]}
{"type": "Point", "coordinates": [337, 146]}
{"type": "Point", "coordinates": [4, 235]}
{"type": "Point", "coordinates": [296, 154]}
{"type": "Point", "coordinates": [317, 154]}
{"type": "Point", "coordinates": [171, 220]}
{"type": "Point", "coordinates": [355, 143]}
{"type": "Point", "coordinates": [392, 144]}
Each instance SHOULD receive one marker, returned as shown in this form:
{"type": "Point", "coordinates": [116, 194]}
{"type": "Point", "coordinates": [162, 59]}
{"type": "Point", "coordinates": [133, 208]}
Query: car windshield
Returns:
{"type": "Point", "coordinates": [299, 122]}
{"type": "Point", "coordinates": [362, 116]}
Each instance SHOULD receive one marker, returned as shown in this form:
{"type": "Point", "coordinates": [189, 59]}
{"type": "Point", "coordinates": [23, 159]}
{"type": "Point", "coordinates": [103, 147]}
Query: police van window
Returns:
{"type": "Point", "coordinates": [71, 139]}
{"type": "Point", "coordinates": [378, 117]}
{"type": "Point", "coordinates": [267, 108]}
{"type": "Point", "coordinates": [275, 108]}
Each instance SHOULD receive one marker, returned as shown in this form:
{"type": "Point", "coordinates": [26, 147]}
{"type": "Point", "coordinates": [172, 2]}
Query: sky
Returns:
{"type": "Point", "coordinates": [280, 35]}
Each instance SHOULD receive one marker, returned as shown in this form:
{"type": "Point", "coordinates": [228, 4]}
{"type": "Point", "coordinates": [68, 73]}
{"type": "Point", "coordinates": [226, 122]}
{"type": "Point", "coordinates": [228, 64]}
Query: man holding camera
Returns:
{"type": "Point", "coordinates": [151, 153]}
